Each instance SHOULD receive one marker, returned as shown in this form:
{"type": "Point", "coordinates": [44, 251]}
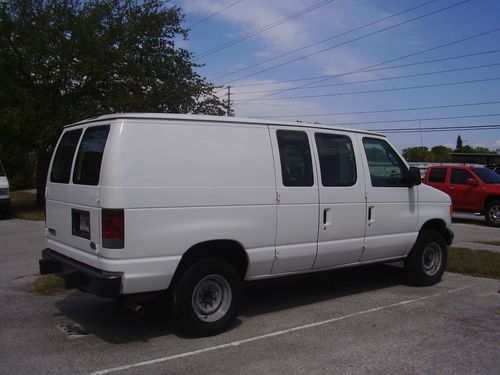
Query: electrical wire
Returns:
{"type": "Point", "coordinates": [324, 40]}
{"type": "Point", "coordinates": [351, 40]}
{"type": "Point", "coordinates": [381, 110]}
{"type": "Point", "coordinates": [368, 70]}
{"type": "Point", "coordinates": [437, 129]}
{"type": "Point", "coordinates": [372, 91]}
{"type": "Point", "coordinates": [416, 119]}
{"type": "Point", "coordinates": [372, 80]}
{"type": "Point", "coordinates": [261, 30]}
{"type": "Point", "coordinates": [214, 14]}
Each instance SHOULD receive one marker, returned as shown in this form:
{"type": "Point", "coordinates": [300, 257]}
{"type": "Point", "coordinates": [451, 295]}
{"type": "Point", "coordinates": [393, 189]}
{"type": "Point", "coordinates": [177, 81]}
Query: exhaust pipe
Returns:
{"type": "Point", "coordinates": [135, 307]}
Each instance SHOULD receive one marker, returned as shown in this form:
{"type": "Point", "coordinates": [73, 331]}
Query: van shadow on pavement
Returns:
{"type": "Point", "coordinates": [112, 322]}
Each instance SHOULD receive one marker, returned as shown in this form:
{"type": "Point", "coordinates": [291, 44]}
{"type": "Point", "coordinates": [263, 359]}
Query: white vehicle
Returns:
{"type": "Point", "coordinates": [194, 205]}
{"type": "Point", "coordinates": [5, 206]}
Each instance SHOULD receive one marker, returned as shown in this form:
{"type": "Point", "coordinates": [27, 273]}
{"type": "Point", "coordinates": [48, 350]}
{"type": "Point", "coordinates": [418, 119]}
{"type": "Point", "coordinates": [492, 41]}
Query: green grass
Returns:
{"type": "Point", "coordinates": [47, 285]}
{"type": "Point", "coordinates": [493, 243]}
{"type": "Point", "coordinates": [481, 263]}
{"type": "Point", "coordinates": [23, 206]}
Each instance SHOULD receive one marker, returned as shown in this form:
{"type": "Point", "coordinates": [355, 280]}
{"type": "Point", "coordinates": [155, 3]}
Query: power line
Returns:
{"type": "Point", "coordinates": [366, 68]}
{"type": "Point", "coordinates": [371, 91]}
{"type": "Point", "coordinates": [351, 40]}
{"type": "Point", "coordinates": [261, 30]}
{"type": "Point", "coordinates": [369, 70]}
{"type": "Point", "coordinates": [381, 110]}
{"type": "Point", "coordinates": [415, 119]}
{"type": "Point", "coordinates": [214, 14]}
{"type": "Point", "coordinates": [372, 80]}
{"type": "Point", "coordinates": [437, 129]}
{"type": "Point", "coordinates": [325, 40]}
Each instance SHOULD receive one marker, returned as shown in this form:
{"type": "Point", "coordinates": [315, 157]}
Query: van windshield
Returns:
{"type": "Point", "coordinates": [2, 172]}
{"type": "Point", "coordinates": [487, 175]}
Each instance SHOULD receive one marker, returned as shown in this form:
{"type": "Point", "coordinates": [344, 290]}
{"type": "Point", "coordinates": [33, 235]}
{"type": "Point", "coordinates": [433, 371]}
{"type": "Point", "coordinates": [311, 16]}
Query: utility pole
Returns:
{"type": "Point", "coordinates": [229, 111]}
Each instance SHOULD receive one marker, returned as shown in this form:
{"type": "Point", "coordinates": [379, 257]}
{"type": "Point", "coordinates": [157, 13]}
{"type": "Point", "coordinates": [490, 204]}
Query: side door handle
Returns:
{"type": "Point", "coordinates": [325, 217]}
{"type": "Point", "coordinates": [371, 216]}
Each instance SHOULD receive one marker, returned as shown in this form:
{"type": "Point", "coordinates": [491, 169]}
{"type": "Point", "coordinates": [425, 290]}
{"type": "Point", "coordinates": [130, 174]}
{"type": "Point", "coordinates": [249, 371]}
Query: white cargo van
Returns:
{"type": "Point", "coordinates": [5, 206]}
{"type": "Point", "coordinates": [195, 205]}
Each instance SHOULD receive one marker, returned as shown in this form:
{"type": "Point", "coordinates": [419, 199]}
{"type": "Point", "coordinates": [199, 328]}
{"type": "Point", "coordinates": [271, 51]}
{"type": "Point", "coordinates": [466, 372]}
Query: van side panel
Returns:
{"type": "Point", "coordinates": [185, 183]}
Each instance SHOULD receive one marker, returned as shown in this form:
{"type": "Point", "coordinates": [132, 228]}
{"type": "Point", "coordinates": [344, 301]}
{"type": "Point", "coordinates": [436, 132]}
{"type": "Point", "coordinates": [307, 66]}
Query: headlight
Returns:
{"type": "Point", "coordinates": [4, 191]}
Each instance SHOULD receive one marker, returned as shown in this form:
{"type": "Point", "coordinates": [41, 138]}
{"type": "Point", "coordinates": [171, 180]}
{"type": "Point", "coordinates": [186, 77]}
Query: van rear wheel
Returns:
{"type": "Point", "coordinates": [207, 297]}
{"type": "Point", "coordinates": [427, 260]}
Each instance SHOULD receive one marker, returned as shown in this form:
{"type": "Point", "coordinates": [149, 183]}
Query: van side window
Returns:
{"type": "Point", "coordinates": [437, 175]}
{"type": "Point", "coordinates": [460, 176]}
{"type": "Point", "coordinates": [89, 158]}
{"type": "Point", "coordinates": [295, 155]}
{"type": "Point", "coordinates": [336, 159]}
{"type": "Point", "coordinates": [386, 168]}
{"type": "Point", "coordinates": [63, 159]}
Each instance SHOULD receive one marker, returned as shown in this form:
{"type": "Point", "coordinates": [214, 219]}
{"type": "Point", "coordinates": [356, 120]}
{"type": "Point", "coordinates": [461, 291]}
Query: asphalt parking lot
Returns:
{"type": "Point", "coordinates": [344, 322]}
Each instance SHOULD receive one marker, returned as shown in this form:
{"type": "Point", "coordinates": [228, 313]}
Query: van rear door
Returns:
{"type": "Point", "coordinates": [72, 195]}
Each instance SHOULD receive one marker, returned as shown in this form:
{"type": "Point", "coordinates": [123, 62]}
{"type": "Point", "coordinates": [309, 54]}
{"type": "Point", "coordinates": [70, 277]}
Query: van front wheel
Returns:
{"type": "Point", "coordinates": [207, 297]}
{"type": "Point", "coordinates": [427, 260]}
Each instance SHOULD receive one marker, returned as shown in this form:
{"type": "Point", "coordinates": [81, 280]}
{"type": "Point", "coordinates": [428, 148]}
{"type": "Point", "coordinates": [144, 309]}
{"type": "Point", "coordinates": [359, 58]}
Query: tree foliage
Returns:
{"type": "Point", "coordinates": [459, 144]}
{"type": "Point", "coordinates": [441, 154]}
{"type": "Point", "coordinates": [66, 60]}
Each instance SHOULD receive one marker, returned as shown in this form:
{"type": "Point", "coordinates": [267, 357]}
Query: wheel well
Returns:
{"type": "Point", "coordinates": [228, 250]}
{"type": "Point", "coordinates": [439, 226]}
{"type": "Point", "coordinates": [489, 199]}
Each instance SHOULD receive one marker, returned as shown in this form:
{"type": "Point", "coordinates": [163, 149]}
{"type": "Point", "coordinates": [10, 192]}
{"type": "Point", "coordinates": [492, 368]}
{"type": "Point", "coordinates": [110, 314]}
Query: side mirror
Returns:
{"type": "Point", "coordinates": [472, 181]}
{"type": "Point", "coordinates": [414, 177]}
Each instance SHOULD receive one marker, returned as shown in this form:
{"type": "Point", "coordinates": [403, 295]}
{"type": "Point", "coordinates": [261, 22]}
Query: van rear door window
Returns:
{"type": "Point", "coordinates": [61, 167]}
{"type": "Point", "coordinates": [89, 158]}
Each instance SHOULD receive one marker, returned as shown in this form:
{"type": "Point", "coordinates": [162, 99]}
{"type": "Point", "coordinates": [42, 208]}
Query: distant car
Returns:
{"type": "Point", "coordinates": [472, 189]}
{"type": "Point", "coordinates": [5, 206]}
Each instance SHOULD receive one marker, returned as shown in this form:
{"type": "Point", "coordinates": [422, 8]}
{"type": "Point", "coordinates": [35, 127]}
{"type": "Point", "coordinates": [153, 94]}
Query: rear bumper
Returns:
{"type": "Point", "coordinates": [80, 275]}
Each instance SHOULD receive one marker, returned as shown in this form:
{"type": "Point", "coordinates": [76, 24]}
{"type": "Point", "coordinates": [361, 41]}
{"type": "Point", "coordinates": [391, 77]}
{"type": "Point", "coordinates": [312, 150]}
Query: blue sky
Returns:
{"type": "Point", "coordinates": [441, 22]}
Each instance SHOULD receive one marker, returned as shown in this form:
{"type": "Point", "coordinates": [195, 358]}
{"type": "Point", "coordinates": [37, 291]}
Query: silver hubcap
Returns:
{"type": "Point", "coordinates": [432, 258]}
{"type": "Point", "coordinates": [212, 298]}
{"type": "Point", "coordinates": [494, 214]}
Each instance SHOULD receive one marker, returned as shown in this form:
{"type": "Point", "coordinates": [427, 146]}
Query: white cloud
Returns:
{"type": "Point", "coordinates": [328, 20]}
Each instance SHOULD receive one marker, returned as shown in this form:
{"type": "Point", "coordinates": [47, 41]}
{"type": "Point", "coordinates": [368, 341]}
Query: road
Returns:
{"type": "Point", "coordinates": [351, 321]}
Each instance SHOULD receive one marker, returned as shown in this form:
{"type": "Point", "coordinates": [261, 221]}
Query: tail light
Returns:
{"type": "Point", "coordinates": [113, 228]}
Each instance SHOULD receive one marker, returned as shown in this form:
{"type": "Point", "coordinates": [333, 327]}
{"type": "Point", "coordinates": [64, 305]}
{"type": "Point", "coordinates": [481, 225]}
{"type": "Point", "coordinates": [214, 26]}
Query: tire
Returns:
{"type": "Point", "coordinates": [492, 214]}
{"type": "Point", "coordinates": [427, 260]}
{"type": "Point", "coordinates": [207, 297]}
{"type": "Point", "coordinates": [6, 214]}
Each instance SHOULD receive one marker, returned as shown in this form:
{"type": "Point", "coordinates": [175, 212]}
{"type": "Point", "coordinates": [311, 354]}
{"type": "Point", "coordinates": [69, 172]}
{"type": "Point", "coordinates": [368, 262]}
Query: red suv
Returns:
{"type": "Point", "coordinates": [472, 189]}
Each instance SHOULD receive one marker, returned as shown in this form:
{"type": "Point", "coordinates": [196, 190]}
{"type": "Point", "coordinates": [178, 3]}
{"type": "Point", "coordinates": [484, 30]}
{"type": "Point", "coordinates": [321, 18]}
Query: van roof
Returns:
{"type": "Point", "coordinates": [207, 118]}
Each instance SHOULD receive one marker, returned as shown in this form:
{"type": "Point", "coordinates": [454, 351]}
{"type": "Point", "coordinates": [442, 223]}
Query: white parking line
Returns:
{"type": "Point", "coordinates": [272, 334]}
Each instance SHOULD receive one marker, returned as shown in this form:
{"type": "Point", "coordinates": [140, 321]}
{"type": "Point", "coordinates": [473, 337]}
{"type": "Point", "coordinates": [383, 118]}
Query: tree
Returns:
{"type": "Point", "coordinates": [416, 154]}
{"type": "Point", "coordinates": [459, 144]}
{"type": "Point", "coordinates": [66, 60]}
{"type": "Point", "coordinates": [441, 154]}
